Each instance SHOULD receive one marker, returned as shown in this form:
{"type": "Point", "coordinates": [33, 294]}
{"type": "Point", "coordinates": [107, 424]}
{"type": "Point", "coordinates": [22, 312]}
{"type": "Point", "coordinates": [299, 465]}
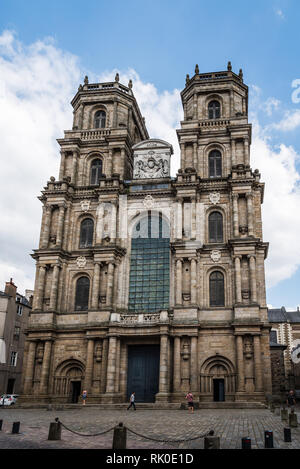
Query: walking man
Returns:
{"type": "Point", "coordinates": [132, 401]}
{"type": "Point", "coordinates": [291, 401]}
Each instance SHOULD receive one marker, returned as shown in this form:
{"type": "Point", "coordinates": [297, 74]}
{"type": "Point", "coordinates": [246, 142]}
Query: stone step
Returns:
{"type": "Point", "coordinates": [145, 406]}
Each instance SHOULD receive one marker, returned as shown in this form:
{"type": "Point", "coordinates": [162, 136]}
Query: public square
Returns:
{"type": "Point", "coordinates": [231, 425]}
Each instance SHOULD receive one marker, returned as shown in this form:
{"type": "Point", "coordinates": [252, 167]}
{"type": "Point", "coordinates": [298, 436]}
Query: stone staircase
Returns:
{"type": "Point", "coordinates": [144, 406]}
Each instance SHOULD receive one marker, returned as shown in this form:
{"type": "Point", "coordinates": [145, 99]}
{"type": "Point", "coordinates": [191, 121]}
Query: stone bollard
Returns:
{"type": "Point", "coordinates": [119, 439]}
{"type": "Point", "coordinates": [284, 415]}
{"type": "Point", "coordinates": [277, 411]}
{"type": "Point", "coordinates": [15, 427]}
{"type": "Point", "coordinates": [211, 442]}
{"type": "Point", "coordinates": [54, 431]}
{"type": "Point", "coordinates": [293, 421]}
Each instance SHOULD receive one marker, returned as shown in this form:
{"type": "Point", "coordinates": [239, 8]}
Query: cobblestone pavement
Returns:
{"type": "Point", "coordinates": [230, 424]}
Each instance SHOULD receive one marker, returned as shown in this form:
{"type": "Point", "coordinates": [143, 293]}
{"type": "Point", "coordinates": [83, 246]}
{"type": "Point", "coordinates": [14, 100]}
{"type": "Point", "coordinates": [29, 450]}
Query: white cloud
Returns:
{"type": "Point", "coordinates": [281, 216]}
{"type": "Point", "coordinates": [290, 121]}
{"type": "Point", "coordinates": [280, 13]}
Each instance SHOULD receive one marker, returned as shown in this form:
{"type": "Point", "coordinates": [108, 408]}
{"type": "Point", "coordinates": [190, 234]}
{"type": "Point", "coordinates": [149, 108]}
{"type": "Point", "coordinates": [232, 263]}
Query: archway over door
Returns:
{"type": "Point", "coordinates": [68, 380]}
{"type": "Point", "coordinates": [143, 372]}
{"type": "Point", "coordinates": [217, 379]}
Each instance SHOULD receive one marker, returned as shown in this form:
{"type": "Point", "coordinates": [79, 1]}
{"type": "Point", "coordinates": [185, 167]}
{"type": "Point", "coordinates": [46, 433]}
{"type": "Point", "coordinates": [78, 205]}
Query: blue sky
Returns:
{"type": "Point", "coordinates": [161, 41]}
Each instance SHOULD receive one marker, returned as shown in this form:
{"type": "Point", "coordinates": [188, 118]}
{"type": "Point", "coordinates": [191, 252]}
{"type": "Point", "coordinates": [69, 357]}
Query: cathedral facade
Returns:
{"type": "Point", "coordinates": [147, 282]}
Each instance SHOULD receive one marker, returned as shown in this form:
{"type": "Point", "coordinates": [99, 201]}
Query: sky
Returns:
{"type": "Point", "coordinates": [46, 49]}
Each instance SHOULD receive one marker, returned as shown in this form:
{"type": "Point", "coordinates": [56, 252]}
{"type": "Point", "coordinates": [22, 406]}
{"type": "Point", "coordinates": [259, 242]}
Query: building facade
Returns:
{"type": "Point", "coordinates": [147, 282]}
{"type": "Point", "coordinates": [14, 313]}
{"type": "Point", "coordinates": [286, 331]}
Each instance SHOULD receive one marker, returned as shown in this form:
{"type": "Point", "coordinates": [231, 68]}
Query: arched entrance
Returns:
{"type": "Point", "coordinates": [217, 379]}
{"type": "Point", "coordinates": [68, 380]}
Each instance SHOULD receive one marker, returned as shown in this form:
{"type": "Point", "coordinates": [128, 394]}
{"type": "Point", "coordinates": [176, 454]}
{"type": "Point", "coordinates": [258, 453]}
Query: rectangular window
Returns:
{"type": "Point", "coordinates": [273, 337]}
{"type": "Point", "coordinates": [19, 310]}
{"type": "Point", "coordinates": [17, 332]}
{"type": "Point", "coordinates": [13, 358]}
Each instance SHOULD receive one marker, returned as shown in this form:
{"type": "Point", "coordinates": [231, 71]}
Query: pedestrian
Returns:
{"type": "Point", "coordinates": [84, 396]}
{"type": "Point", "coordinates": [291, 401]}
{"type": "Point", "coordinates": [132, 401]}
{"type": "Point", "coordinates": [190, 400]}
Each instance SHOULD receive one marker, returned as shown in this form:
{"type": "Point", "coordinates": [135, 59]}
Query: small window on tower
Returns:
{"type": "Point", "coordinates": [96, 171]}
{"type": "Point", "coordinates": [100, 120]}
{"type": "Point", "coordinates": [215, 164]}
{"type": "Point", "coordinates": [214, 110]}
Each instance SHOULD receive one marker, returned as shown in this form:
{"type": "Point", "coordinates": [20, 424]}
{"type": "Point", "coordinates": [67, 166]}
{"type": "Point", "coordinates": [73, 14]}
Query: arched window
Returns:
{"type": "Point", "coordinates": [215, 164]}
{"type": "Point", "coordinates": [99, 120]}
{"type": "Point", "coordinates": [214, 110]}
{"type": "Point", "coordinates": [82, 294]}
{"type": "Point", "coordinates": [96, 171]}
{"type": "Point", "coordinates": [216, 289]}
{"type": "Point", "coordinates": [149, 281]}
{"type": "Point", "coordinates": [86, 233]}
{"type": "Point", "coordinates": [215, 227]}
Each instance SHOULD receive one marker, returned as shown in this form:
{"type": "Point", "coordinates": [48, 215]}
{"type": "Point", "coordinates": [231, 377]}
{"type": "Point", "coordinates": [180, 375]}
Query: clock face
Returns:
{"type": "Point", "coordinates": [295, 353]}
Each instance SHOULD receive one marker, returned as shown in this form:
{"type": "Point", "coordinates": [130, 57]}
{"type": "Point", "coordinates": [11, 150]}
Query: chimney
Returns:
{"type": "Point", "coordinates": [10, 288]}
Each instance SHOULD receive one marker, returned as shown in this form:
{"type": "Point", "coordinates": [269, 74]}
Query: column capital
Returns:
{"type": "Point", "coordinates": [248, 195]}
{"type": "Point", "coordinates": [249, 256]}
{"type": "Point", "coordinates": [235, 196]}
{"type": "Point", "coordinates": [237, 256]}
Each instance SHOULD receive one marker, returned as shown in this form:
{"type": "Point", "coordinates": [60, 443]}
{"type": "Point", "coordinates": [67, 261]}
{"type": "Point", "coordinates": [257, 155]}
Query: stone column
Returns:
{"type": "Point", "coordinates": [179, 218]}
{"type": "Point", "coordinates": [47, 222]}
{"type": "Point", "coordinates": [62, 165]}
{"type": "Point", "coordinates": [110, 282]}
{"type": "Point", "coordinates": [109, 164]}
{"type": "Point", "coordinates": [113, 222]}
{"type": "Point", "coordinates": [176, 368]}
{"type": "Point", "coordinates": [54, 287]}
{"type": "Point", "coordinates": [257, 364]}
{"type": "Point", "coordinates": [117, 376]}
{"type": "Point", "coordinates": [123, 155]}
{"type": "Point", "coordinates": [193, 281]}
{"type": "Point", "coordinates": [163, 364]}
{"type": "Point", "coordinates": [104, 366]}
{"type": "Point", "coordinates": [240, 363]}
{"type": "Point", "coordinates": [250, 213]}
{"type": "Point", "coordinates": [233, 154]}
{"type": "Point", "coordinates": [115, 114]}
{"type": "Point", "coordinates": [60, 225]}
{"type": "Point", "coordinates": [74, 167]}
{"type": "Point", "coordinates": [29, 373]}
{"type": "Point", "coordinates": [235, 215]}
{"type": "Point", "coordinates": [238, 282]}
{"type": "Point", "coordinates": [178, 293]}
{"type": "Point", "coordinates": [45, 367]}
{"type": "Point", "coordinates": [100, 223]}
{"type": "Point", "coordinates": [193, 218]}
{"type": "Point", "coordinates": [111, 365]}
{"type": "Point", "coordinates": [246, 151]}
{"type": "Point", "coordinates": [195, 155]}
{"type": "Point", "coordinates": [123, 369]}
{"type": "Point", "coordinates": [41, 286]}
{"type": "Point", "coordinates": [194, 374]}
{"type": "Point", "coordinates": [96, 285]}
{"type": "Point", "coordinates": [252, 268]}
{"type": "Point", "coordinates": [89, 365]}
{"type": "Point", "coordinates": [182, 154]}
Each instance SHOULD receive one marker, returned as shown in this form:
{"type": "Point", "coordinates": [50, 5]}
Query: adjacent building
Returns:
{"type": "Point", "coordinates": [14, 313]}
{"type": "Point", "coordinates": [144, 281]}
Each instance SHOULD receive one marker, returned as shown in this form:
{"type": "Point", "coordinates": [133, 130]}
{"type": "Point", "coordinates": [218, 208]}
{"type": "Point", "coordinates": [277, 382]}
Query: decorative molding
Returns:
{"type": "Point", "coordinates": [85, 205]}
{"type": "Point", "coordinates": [81, 261]}
{"type": "Point", "coordinates": [215, 255]}
{"type": "Point", "coordinates": [214, 197]}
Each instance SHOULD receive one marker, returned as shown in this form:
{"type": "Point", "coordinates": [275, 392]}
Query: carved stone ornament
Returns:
{"type": "Point", "coordinates": [85, 205]}
{"type": "Point", "coordinates": [149, 202]}
{"type": "Point", "coordinates": [81, 261]}
{"type": "Point", "coordinates": [215, 255]}
{"type": "Point", "coordinates": [151, 165]}
{"type": "Point", "coordinates": [214, 197]}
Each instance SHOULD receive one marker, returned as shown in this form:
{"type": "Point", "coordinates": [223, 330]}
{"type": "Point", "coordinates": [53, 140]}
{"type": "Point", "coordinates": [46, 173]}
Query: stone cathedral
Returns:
{"type": "Point", "coordinates": [147, 282]}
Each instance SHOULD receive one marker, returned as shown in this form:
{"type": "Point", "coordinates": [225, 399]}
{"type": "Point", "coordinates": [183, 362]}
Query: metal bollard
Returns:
{"type": "Point", "coordinates": [277, 411]}
{"type": "Point", "coordinates": [287, 435]}
{"type": "Point", "coordinates": [54, 431]}
{"type": "Point", "coordinates": [269, 439]}
{"type": "Point", "coordinates": [212, 442]}
{"type": "Point", "coordinates": [15, 427]}
{"type": "Point", "coordinates": [1, 422]}
{"type": "Point", "coordinates": [246, 443]}
{"type": "Point", "coordinates": [119, 438]}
